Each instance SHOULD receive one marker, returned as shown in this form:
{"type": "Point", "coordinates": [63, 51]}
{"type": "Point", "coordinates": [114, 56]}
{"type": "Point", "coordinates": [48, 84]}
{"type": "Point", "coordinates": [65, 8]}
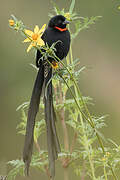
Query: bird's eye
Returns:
{"type": "Point", "coordinates": [59, 22]}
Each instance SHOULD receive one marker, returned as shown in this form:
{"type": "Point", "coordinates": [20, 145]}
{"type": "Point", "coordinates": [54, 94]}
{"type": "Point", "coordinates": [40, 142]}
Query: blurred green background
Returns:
{"type": "Point", "coordinates": [98, 49]}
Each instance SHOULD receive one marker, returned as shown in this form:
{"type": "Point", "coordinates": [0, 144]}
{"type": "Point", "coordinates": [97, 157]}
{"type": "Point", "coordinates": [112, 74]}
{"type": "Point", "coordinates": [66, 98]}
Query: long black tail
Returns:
{"type": "Point", "coordinates": [52, 139]}
{"type": "Point", "coordinates": [33, 109]}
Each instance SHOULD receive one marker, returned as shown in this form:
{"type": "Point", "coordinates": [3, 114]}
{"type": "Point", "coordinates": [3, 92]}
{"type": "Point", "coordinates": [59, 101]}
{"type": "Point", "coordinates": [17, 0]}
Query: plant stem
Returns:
{"type": "Point", "coordinates": [37, 146]}
{"type": "Point", "coordinates": [67, 59]}
{"type": "Point", "coordinates": [71, 55]}
{"type": "Point", "coordinates": [105, 174]}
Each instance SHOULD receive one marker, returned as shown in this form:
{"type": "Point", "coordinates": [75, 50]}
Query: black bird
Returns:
{"type": "Point", "coordinates": [56, 32]}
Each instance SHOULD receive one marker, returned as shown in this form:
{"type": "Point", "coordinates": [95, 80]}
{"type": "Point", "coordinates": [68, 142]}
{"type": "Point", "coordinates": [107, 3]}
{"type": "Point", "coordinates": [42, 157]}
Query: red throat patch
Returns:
{"type": "Point", "coordinates": [60, 29]}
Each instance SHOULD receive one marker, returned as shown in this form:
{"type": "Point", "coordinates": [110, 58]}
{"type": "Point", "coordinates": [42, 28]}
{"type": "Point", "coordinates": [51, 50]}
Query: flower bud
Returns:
{"type": "Point", "coordinates": [11, 22]}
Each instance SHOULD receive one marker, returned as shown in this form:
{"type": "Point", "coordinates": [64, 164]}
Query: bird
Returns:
{"type": "Point", "coordinates": [58, 33]}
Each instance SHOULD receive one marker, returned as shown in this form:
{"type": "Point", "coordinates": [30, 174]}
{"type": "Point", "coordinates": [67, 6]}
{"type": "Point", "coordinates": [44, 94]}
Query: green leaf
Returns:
{"type": "Point", "coordinates": [14, 18]}
{"type": "Point", "coordinates": [18, 169]}
{"type": "Point", "coordinates": [21, 127]}
{"type": "Point", "coordinates": [34, 66]}
{"type": "Point", "coordinates": [22, 106]}
{"type": "Point", "coordinates": [83, 23]}
{"type": "Point", "coordinates": [56, 9]}
{"type": "Point", "coordinates": [114, 143]}
{"type": "Point", "coordinates": [72, 6]}
{"type": "Point", "coordinates": [40, 160]}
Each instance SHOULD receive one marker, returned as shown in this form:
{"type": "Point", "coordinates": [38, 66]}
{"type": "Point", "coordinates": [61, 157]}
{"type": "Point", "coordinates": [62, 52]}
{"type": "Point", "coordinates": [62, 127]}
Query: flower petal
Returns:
{"type": "Point", "coordinates": [27, 40]}
{"type": "Point", "coordinates": [28, 32]}
{"type": "Point", "coordinates": [36, 29]}
{"type": "Point", "coordinates": [42, 29]}
{"type": "Point", "coordinates": [29, 47]}
{"type": "Point", "coordinates": [40, 42]}
{"type": "Point", "coordinates": [54, 65]}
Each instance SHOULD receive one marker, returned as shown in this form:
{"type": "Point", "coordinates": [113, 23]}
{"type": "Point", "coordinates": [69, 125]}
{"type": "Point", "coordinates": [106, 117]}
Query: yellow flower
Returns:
{"type": "Point", "coordinates": [35, 37]}
{"type": "Point", "coordinates": [68, 16]}
{"type": "Point", "coordinates": [11, 22]}
{"type": "Point", "coordinates": [54, 65]}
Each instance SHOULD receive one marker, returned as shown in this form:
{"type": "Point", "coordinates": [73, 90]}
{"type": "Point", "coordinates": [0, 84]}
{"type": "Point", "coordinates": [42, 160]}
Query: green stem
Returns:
{"type": "Point", "coordinates": [75, 100]}
{"type": "Point", "coordinates": [71, 55]}
{"type": "Point", "coordinates": [67, 59]}
{"type": "Point", "coordinates": [105, 174]}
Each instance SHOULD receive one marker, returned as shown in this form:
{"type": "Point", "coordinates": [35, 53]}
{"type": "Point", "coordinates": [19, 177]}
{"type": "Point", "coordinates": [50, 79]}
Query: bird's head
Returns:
{"type": "Point", "coordinates": [58, 22]}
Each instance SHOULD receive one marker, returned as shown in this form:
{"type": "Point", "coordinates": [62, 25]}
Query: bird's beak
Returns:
{"type": "Point", "coordinates": [66, 22]}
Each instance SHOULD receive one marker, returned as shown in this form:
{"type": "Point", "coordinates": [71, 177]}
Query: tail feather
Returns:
{"type": "Point", "coordinates": [53, 120]}
{"type": "Point", "coordinates": [52, 139]}
{"type": "Point", "coordinates": [33, 109]}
